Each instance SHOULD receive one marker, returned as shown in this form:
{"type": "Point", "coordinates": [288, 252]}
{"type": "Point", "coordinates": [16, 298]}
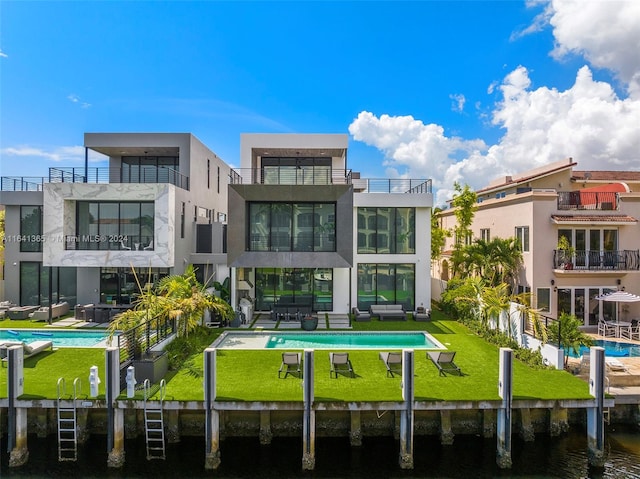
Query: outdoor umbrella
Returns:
{"type": "Point", "coordinates": [619, 297]}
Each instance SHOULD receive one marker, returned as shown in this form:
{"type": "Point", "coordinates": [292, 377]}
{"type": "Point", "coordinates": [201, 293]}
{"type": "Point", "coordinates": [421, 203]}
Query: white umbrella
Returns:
{"type": "Point", "coordinates": [619, 297]}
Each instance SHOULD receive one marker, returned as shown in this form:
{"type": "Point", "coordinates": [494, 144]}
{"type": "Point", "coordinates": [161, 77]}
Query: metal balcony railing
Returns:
{"type": "Point", "coordinates": [588, 200]}
{"type": "Point", "coordinates": [623, 260]}
{"type": "Point", "coordinates": [21, 183]}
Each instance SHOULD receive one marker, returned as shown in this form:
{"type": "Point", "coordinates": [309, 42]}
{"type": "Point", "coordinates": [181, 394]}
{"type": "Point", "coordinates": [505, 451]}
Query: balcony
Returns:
{"type": "Point", "coordinates": [144, 174]}
{"type": "Point", "coordinates": [307, 176]}
{"type": "Point", "coordinates": [588, 200]}
{"type": "Point", "coordinates": [622, 260]}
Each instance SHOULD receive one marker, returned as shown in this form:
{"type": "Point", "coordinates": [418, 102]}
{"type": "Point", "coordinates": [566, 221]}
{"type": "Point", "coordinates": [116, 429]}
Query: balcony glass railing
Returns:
{"type": "Point", "coordinates": [324, 176]}
{"type": "Point", "coordinates": [622, 260]}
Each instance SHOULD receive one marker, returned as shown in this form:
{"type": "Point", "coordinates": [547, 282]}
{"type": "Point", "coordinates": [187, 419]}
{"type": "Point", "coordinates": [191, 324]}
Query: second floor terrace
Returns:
{"type": "Point", "coordinates": [596, 261]}
{"type": "Point", "coordinates": [314, 175]}
{"type": "Point", "coordinates": [140, 174]}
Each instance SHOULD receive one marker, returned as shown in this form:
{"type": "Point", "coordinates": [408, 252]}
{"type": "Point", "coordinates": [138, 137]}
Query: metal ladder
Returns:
{"type": "Point", "coordinates": [154, 423]}
{"type": "Point", "coordinates": [67, 423]}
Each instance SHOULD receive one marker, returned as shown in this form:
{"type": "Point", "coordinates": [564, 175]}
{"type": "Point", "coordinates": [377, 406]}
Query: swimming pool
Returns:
{"type": "Point", "coordinates": [62, 338]}
{"type": "Point", "coordinates": [614, 349]}
{"type": "Point", "coordinates": [326, 340]}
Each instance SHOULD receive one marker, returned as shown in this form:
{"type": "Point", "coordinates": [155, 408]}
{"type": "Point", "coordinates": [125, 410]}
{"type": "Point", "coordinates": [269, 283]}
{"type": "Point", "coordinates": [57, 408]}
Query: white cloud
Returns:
{"type": "Point", "coordinates": [587, 122]}
{"type": "Point", "coordinates": [458, 102]}
{"type": "Point", "coordinates": [3, 54]}
{"type": "Point", "coordinates": [71, 154]}
{"type": "Point", "coordinates": [76, 99]}
{"type": "Point", "coordinates": [606, 33]}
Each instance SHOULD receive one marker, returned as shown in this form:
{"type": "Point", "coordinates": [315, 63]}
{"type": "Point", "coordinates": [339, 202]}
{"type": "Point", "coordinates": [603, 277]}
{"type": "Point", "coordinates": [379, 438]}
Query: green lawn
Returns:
{"type": "Point", "coordinates": [253, 375]}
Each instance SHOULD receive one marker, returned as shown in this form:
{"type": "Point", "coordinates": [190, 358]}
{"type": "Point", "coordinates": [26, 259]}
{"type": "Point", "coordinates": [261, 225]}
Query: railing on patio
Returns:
{"type": "Point", "coordinates": [134, 343]}
{"type": "Point", "coordinates": [21, 183]}
{"type": "Point", "coordinates": [623, 260]}
{"type": "Point", "coordinates": [323, 176]}
{"type": "Point", "coordinates": [588, 200]}
{"type": "Point", "coordinates": [141, 174]}
{"type": "Point", "coordinates": [545, 322]}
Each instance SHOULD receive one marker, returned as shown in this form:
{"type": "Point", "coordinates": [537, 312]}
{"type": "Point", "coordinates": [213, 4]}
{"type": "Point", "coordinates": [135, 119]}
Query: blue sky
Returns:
{"type": "Point", "coordinates": [453, 91]}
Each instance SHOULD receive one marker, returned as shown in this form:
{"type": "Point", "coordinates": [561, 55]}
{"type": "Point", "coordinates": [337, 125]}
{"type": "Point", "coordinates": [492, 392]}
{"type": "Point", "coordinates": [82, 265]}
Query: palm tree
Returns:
{"type": "Point", "coordinates": [179, 297]}
{"type": "Point", "coordinates": [566, 332]}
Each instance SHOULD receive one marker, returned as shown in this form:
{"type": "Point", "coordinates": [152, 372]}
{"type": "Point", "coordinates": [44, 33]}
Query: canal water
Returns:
{"type": "Point", "coordinates": [469, 457]}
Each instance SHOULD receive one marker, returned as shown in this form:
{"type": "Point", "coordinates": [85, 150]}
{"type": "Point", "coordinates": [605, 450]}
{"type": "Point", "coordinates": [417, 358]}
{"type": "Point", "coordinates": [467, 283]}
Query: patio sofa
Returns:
{"type": "Point", "coordinates": [58, 310]}
{"type": "Point", "coordinates": [386, 312]}
{"type": "Point", "coordinates": [360, 315]}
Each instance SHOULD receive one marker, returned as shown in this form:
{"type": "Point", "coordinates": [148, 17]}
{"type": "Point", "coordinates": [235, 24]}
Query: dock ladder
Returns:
{"type": "Point", "coordinates": [154, 422]}
{"type": "Point", "coordinates": [67, 423]}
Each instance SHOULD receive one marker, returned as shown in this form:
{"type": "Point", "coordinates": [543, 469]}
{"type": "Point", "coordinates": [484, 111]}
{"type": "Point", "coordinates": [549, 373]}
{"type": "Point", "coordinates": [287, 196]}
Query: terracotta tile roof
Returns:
{"type": "Point", "coordinates": [593, 219]}
{"type": "Point", "coordinates": [606, 175]}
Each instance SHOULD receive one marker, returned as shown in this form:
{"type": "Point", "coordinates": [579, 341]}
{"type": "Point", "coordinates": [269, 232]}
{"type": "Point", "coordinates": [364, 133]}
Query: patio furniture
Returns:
{"type": "Point", "coordinates": [393, 362]}
{"type": "Point", "coordinates": [20, 312]}
{"type": "Point", "coordinates": [30, 349]}
{"type": "Point", "coordinates": [443, 360]}
{"type": "Point", "coordinates": [422, 314]}
{"type": "Point", "coordinates": [614, 364]}
{"type": "Point", "coordinates": [606, 329]}
{"type": "Point", "coordinates": [632, 332]}
{"type": "Point", "coordinates": [340, 363]}
{"type": "Point", "coordinates": [57, 310]}
{"type": "Point", "coordinates": [360, 315]}
{"type": "Point", "coordinates": [388, 311]}
{"type": "Point", "coordinates": [291, 364]}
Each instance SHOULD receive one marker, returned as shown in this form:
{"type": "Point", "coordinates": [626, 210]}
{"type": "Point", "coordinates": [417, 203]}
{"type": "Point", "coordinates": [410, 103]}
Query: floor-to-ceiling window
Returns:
{"type": "Point", "coordinates": [34, 284]}
{"type": "Point", "coordinates": [382, 283]}
{"type": "Point", "coordinates": [292, 227]}
{"type": "Point", "coordinates": [113, 225]}
{"type": "Point", "coordinates": [582, 303]}
{"type": "Point", "coordinates": [31, 237]}
{"type": "Point", "coordinates": [305, 286]}
{"type": "Point", "coordinates": [386, 230]}
{"type": "Point", "coordinates": [122, 285]}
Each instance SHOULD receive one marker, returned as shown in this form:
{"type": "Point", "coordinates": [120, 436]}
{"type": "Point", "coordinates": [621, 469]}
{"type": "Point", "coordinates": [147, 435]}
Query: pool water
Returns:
{"type": "Point", "coordinates": [63, 338]}
{"type": "Point", "coordinates": [614, 349]}
{"type": "Point", "coordinates": [326, 340]}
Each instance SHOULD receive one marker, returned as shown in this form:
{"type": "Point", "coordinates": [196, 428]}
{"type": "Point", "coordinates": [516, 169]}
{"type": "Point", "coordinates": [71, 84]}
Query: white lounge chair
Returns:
{"type": "Point", "coordinates": [614, 364]}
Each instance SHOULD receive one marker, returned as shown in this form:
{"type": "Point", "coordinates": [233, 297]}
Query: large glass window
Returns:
{"type": "Point", "coordinates": [114, 225]}
{"type": "Point", "coordinates": [295, 286]}
{"type": "Point", "coordinates": [386, 230]}
{"type": "Point", "coordinates": [522, 235]}
{"type": "Point", "coordinates": [121, 284]}
{"type": "Point", "coordinates": [543, 298]}
{"type": "Point", "coordinates": [150, 169]}
{"type": "Point", "coordinates": [296, 171]}
{"type": "Point", "coordinates": [582, 303]}
{"type": "Point", "coordinates": [31, 228]}
{"type": "Point", "coordinates": [34, 284]}
{"type": "Point", "coordinates": [291, 227]}
{"type": "Point", "coordinates": [384, 283]}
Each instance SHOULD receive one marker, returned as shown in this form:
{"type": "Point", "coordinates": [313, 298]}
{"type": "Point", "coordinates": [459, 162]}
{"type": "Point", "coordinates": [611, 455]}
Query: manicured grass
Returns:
{"type": "Point", "coordinates": [27, 323]}
{"type": "Point", "coordinates": [253, 375]}
{"type": "Point", "coordinates": [41, 372]}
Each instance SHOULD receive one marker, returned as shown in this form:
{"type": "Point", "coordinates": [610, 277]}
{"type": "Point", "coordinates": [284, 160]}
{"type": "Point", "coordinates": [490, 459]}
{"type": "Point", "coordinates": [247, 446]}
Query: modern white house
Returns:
{"type": "Point", "coordinates": [306, 231]}
{"type": "Point", "coordinates": [160, 205]}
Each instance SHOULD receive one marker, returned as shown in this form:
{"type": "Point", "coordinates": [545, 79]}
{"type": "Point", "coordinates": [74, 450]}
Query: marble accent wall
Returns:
{"type": "Point", "coordinates": [60, 221]}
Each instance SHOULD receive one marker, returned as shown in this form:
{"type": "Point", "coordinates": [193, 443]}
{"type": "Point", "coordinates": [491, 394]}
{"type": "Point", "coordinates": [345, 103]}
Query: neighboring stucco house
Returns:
{"type": "Point", "coordinates": [597, 211]}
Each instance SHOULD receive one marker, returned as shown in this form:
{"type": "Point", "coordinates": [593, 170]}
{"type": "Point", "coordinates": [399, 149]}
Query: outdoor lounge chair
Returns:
{"type": "Point", "coordinates": [614, 364]}
{"type": "Point", "coordinates": [340, 362]}
{"type": "Point", "coordinates": [30, 349]}
{"type": "Point", "coordinates": [291, 364]}
{"type": "Point", "coordinates": [393, 362]}
{"type": "Point", "coordinates": [444, 361]}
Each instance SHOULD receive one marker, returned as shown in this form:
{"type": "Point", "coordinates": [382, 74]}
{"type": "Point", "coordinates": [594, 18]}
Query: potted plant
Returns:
{"type": "Point", "coordinates": [308, 322]}
{"type": "Point", "coordinates": [566, 253]}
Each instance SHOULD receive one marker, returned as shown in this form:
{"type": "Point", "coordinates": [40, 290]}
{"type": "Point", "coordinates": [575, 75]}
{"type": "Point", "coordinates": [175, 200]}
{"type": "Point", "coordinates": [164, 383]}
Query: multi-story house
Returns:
{"type": "Point", "coordinates": [596, 211]}
{"type": "Point", "coordinates": [305, 230]}
{"type": "Point", "coordinates": [80, 233]}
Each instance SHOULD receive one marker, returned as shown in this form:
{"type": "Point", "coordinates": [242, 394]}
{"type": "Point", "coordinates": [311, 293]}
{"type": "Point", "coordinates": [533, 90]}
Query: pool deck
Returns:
{"type": "Point", "coordinates": [263, 321]}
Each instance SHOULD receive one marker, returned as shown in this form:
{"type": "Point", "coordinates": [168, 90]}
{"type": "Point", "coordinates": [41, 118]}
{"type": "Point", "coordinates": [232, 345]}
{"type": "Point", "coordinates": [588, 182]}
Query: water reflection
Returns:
{"type": "Point", "coordinates": [469, 457]}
